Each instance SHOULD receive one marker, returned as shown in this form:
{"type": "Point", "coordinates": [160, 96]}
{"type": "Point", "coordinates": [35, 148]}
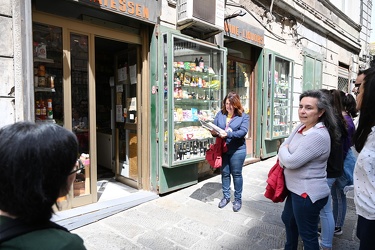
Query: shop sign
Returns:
{"type": "Point", "coordinates": [144, 10]}
{"type": "Point", "coordinates": [244, 32]}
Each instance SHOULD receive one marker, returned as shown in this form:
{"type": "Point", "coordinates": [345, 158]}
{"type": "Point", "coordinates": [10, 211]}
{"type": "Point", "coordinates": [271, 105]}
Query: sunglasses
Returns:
{"type": "Point", "coordinates": [356, 91]}
{"type": "Point", "coordinates": [78, 167]}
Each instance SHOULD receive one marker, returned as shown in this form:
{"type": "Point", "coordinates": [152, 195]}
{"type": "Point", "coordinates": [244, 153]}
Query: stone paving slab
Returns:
{"type": "Point", "coordinates": [190, 219]}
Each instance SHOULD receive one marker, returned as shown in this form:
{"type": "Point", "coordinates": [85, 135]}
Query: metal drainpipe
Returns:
{"type": "Point", "coordinates": [271, 7]}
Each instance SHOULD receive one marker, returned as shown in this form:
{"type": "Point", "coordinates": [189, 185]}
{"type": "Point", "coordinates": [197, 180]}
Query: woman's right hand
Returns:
{"type": "Point", "coordinates": [214, 133]}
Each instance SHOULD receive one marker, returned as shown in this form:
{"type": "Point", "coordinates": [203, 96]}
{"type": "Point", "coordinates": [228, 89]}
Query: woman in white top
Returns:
{"type": "Point", "coordinates": [364, 171]}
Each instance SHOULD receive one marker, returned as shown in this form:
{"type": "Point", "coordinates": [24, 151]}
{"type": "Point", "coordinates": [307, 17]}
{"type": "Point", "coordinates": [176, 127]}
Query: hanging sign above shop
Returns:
{"type": "Point", "coordinates": [144, 10]}
{"type": "Point", "coordinates": [244, 32]}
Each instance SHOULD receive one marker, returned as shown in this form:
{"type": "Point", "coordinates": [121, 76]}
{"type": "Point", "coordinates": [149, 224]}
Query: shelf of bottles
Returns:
{"type": "Point", "coordinates": [47, 52]}
{"type": "Point", "coordinates": [279, 101]}
{"type": "Point", "coordinates": [196, 83]}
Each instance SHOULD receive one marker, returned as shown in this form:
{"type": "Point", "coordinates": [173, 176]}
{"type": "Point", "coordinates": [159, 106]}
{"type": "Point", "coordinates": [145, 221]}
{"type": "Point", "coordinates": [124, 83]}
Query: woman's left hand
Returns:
{"type": "Point", "coordinates": [223, 135]}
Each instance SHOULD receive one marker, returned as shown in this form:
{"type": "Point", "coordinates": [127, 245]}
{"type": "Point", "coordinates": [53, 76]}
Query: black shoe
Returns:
{"type": "Point", "coordinates": [223, 202]}
{"type": "Point", "coordinates": [237, 204]}
{"type": "Point", "coordinates": [337, 231]}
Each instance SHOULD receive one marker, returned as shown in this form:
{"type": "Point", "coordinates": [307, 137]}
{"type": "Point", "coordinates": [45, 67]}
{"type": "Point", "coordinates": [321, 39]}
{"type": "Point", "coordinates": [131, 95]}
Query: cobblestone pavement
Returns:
{"type": "Point", "coordinates": [190, 219]}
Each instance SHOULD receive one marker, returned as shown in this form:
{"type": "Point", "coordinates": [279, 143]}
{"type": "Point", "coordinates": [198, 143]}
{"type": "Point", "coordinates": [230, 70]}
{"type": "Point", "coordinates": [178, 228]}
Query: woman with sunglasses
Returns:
{"type": "Point", "coordinates": [38, 164]}
{"type": "Point", "coordinates": [364, 170]}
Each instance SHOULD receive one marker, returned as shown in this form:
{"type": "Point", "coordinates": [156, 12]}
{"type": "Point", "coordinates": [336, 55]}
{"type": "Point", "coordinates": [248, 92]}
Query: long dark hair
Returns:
{"type": "Point", "coordinates": [234, 99]}
{"type": "Point", "coordinates": [367, 110]}
{"type": "Point", "coordinates": [328, 117]}
{"type": "Point", "coordinates": [349, 104]}
{"type": "Point", "coordinates": [338, 108]}
{"type": "Point", "coordinates": [35, 162]}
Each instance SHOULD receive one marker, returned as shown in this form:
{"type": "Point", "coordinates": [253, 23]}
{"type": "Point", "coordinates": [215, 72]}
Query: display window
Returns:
{"type": "Point", "coordinates": [279, 97]}
{"type": "Point", "coordinates": [239, 80]}
{"type": "Point", "coordinates": [193, 91]}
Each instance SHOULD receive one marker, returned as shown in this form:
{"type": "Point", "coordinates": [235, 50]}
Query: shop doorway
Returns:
{"type": "Point", "coordinates": [83, 59]}
{"type": "Point", "coordinates": [116, 117]}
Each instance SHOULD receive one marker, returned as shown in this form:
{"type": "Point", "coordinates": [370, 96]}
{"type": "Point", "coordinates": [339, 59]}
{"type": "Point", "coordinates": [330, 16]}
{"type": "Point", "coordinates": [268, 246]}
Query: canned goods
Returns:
{"type": "Point", "coordinates": [36, 81]}
{"type": "Point", "coordinates": [187, 65]}
{"type": "Point", "coordinates": [41, 81]}
{"type": "Point", "coordinates": [42, 70]}
{"type": "Point", "coordinates": [51, 81]}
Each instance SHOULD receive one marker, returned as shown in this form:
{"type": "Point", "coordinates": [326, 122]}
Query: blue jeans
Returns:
{"type": "Point", "coordinates": [301, 217]}
{"type": "Point", "coordinates": [347, 177]}
{"type": "Point", "coordinates": [327, 221]}
{"type": "Point", "coordinates": [232, 164]}
{"type": "Point", "coordinates": [339, 205]}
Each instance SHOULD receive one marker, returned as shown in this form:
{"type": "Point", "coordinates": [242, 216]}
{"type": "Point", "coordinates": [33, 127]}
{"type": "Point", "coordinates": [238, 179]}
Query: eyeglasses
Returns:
{"type": "Point", "coordinates": [78, 167]}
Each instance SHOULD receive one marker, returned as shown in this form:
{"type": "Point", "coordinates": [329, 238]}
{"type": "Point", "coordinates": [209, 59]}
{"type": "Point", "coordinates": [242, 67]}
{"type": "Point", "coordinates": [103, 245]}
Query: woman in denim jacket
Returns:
{"type": "Point", "coordinates": [235, 122]}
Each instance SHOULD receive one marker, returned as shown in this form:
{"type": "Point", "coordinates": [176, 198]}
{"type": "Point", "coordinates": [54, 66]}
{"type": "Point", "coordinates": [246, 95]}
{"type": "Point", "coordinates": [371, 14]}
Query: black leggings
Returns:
{"type": "Point", "coordinates": [365, 233]}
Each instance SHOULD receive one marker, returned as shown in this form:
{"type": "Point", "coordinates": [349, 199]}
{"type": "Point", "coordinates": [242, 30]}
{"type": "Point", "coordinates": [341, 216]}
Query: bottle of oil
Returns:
{"type": "Point", "coordinates": [43, 110]}
{"type": "Point", "coordinates": [37, 110]}
{"type": "Point", "coordinates": [49, 109]}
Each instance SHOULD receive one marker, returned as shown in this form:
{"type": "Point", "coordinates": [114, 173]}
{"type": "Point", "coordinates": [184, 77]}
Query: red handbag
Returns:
{"type": "Point", "coordinates": [214, 153]}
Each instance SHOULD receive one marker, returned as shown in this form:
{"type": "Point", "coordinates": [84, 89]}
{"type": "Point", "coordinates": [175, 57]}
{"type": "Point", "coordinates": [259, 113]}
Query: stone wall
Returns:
{"type": "Point", "coordinates": [16, 63]}
{"type": "Point", "coordinates": [7, 88]}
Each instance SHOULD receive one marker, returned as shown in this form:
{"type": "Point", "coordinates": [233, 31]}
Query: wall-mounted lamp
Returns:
{"type": "Point", "coordinates": [236, 14]}
{"type": "Point", "coordinates": [289, 21]}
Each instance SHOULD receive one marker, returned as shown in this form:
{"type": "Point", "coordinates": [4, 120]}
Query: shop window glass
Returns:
{"type": "Point", "coordinates": [80, 107]}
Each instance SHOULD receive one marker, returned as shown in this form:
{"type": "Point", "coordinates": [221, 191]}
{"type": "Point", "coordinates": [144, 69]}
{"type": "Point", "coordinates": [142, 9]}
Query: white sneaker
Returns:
{"type": "Point", "coordinates": [348, 188]}
{"type": "Point", "coordinates": [321, 247]}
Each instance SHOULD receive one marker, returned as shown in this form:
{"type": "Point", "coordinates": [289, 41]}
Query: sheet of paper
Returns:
{"type": "Point", "coordinates": [211, 126]}
{"type": "Point", "coordinates": [119, 114]}
{"type": "Point", "coordinates": [122, 74]}
{"type": "Point", "coordinates": [133, 74]}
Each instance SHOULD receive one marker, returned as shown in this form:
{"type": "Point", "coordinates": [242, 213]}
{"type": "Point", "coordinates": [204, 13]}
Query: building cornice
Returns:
{"type": "Point", "coordinates": [322, 24]}
{"type": "Point", "coordinates": [340, 14]}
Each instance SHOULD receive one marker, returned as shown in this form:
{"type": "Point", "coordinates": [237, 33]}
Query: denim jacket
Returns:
{"type": "Point", "coordinates": [236, 131]}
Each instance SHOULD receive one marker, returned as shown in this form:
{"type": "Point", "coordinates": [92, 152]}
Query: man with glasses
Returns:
{"type": "Point", "coordinates": [78, 167]}
{"type": "Point", "coordinates": [358, 82]}
{"type": "Point", "coordinates": [38, 164]}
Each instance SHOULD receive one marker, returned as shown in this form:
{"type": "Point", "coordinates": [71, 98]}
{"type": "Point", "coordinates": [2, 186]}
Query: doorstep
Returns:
{"type": "Point", "coordinates": [81, 216]}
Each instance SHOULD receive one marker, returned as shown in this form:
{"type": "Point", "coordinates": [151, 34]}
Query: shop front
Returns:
{"type": "Point", "coordinates": [190, 88]}
{"type": "Point", "coordinates": [91, 75]}
{"type": "Point", "coordinates": [277, 95]}
{"type": "Point", "coordinates": [244, 43]}
{"type": "Point", "coordinates": [264, 79]}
